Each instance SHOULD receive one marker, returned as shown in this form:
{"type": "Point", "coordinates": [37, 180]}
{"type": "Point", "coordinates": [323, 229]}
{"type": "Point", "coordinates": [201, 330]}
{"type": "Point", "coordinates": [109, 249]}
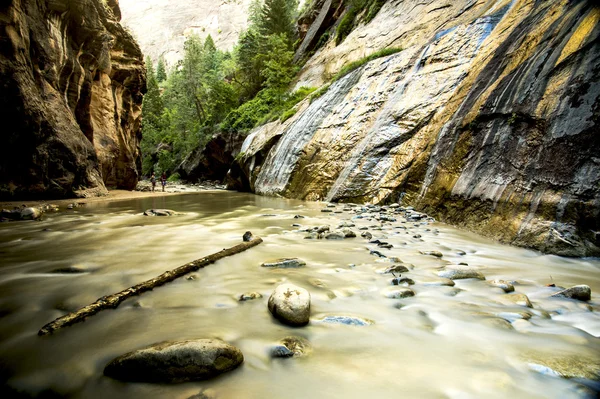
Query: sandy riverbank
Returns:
{"type": "Point", "coordinates": [113, 195]}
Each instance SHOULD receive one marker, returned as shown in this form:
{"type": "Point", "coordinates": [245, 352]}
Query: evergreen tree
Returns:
{"type": "Point", "coordinates": [161, 72]}
{"type": "Point", "coordinates": [152, 109]}
{"type": "Point", "coordinates": [277, 17]}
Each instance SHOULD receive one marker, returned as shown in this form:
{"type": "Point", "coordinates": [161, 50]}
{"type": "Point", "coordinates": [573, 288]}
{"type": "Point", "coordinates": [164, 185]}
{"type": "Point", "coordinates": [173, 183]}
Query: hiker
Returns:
{"type": "Point", "coordinates": [163, 180]}
{"type": "Point", "coordinates": [153, 181]}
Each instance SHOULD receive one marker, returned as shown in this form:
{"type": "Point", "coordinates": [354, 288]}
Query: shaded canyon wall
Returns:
{"type": "Point", "coordinates": [72, 83]}
{"type": "Point", "coordinates": [488, 119]}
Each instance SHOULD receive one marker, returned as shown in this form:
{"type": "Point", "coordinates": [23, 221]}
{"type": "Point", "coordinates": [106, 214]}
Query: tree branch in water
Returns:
{"type": "Point", "coordinates": [114, 300]}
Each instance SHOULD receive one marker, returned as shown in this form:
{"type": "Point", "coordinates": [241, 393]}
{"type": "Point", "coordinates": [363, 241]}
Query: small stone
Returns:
{"type": "Point", "coordinates": [290, 304]}
{"type": "Point", "coordinates": [330, 205]}
{"type": "Point", "coordinates": [322, 229]}
{"type": "Point", "coordinates": [417, 236]}
{"type": "Point", "coordinates": [336, 235]}
{"type": "Point", "coordinates": [69, 270]}
{"type": "Point", "coordinates": [437, 254]}
{"type": "Point", "coordinates": [311, 236]}
{"type": "Point", "coordinates": [505, 285]}
{"type": "Point", "coordinates": [291, 347]}
{"type": "Point", "coordinates": [247, 236]}
{"type": "Point", "coordinates": [248, 296]}
{"type": "Point", "coordinates": [348, 233]}
{"type": "Point", "coordinates": [366, 235]}
{"type": "Point", "coordinates": [579, 292]}
{"type": "Point", "coordinates": [402, 280]}
{"type": "Point", "coordinates": [397, 293]}
{"type": "Point", "coordinates": [377, 253]}
{"type": "Point", "coordinates": [386, 246]}
{"type": "Point", "coordinates": [159, 212]}
{"type": "Point", "coordinates": [171, 362]}
{"type": "Point", "coordinates": [326, 210]}
{"type": "Point", "coordinates": [440, 282]}
{"type": "Point", "coordinates": [285, 263]}
{"type": "Point", "coordinates": [462, 273]}
{"type": "Point", "coordinates": [518, 299]}
{"type": "Point", "coordinates": [393, 269]}
{"type": "Point", "coordinates": [298, 217]}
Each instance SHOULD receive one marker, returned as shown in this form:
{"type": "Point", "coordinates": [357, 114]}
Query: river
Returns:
{"type": "Point", "coordinates": [464, 341]}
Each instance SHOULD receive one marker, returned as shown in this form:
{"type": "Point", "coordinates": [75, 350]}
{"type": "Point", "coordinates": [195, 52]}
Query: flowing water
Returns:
{"type": "Point", "coordinates": [445, 342]}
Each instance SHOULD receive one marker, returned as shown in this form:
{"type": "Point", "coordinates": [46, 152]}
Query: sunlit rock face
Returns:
{"type": "Point", "coordinates": [487, 119]}
{"type": "Point", "coordinates": [162, 26]}
{"type": "Point", "coordinates": [72, 81]}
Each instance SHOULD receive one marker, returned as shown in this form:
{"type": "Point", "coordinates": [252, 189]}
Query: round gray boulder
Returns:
{"type": "Point", "coordinates": [172, 362]}
{"type": "Point", "coordinates": [580, 292]}
{"type": "Point", "coordinates": [290, 304]}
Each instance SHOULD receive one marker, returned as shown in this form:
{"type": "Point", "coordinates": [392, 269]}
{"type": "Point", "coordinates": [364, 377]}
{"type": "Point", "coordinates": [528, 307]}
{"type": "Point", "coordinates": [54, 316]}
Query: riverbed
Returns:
{"type": "Point", "coordinates": [461, 341]}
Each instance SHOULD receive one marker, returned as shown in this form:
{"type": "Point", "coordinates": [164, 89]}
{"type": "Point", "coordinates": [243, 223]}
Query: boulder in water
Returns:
{"type": "Point", "coordinates": [290, 304]}
{"type": "Point", "coordinates": [580, 292]}
{"type": "Point", "coordinates": [336, 235]}
{"type": "Point", "coordinates": [30, 214]}
{"type": "Point", "coordinates": [172, 362]}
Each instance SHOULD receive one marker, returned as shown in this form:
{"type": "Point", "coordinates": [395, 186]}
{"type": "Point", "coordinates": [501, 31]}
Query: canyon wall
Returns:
{"type": "Point", "coordinates": [72, 84]}
{"type": "Point", "coordinates": [162, 26]}
{"type": "Point", "coordinates": [488, 119]}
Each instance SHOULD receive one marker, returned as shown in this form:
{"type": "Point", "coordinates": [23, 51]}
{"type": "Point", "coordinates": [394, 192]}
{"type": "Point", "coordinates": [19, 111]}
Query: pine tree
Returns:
{"type": "Point", "coordinates": [161, 72]}
{"type": "Point", "coordinates": [277, 17]}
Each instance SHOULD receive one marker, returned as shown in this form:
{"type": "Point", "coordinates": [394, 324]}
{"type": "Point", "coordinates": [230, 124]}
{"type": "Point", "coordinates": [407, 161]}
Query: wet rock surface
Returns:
{"type": "Point", "coordinates": [475, 130]}
{"type": "Point", "coordinates": [464, 272]}
{"type": "Point", "coordinates": [174, 362]}
{"type": "Point", "coordinates": [290, 304]}
{"type": "Point", "coordinates": [580, 292]}
{"type": "Point", "coordinates": [72, 100]}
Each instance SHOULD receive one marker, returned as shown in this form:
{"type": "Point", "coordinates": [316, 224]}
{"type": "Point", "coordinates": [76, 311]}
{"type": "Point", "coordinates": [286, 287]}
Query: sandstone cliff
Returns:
{"type": "Point", "coordinates": [162, 26]}
{"type": "Point", "coordinates": [72, 82]}
{"type": "Point", "coordinates": [489, 119]}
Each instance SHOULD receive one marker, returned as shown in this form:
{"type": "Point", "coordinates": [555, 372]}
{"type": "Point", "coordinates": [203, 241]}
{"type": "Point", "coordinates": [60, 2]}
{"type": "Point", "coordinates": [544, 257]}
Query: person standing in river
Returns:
{"type": "Point", "coordinates": [153, 181]}
{"type": "Point", "coordinates": [163, 181]}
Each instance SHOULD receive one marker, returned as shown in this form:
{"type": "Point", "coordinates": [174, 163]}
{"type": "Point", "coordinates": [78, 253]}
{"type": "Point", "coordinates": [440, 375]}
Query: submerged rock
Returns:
{"type": "Point", "coordinates": [442, 281]}
{"type": "Point", "coordinates": [248, 296]}
{"type": "Point", "coordinates": [461, 273]}
{"type": "Point", "coordinates": [335, 235]}
{"type": "Point", "coordinates": [171, 362]}
{"type": "Point", "coordinates": [347, 320]}
{"type": "Point", "coordinates": [505, 285]}
{"type": "Point", "coordinates": [579, 292]}
{"type": "Point", "coordinates": [518, 299]}
{"type": "Point", "coordinates": [398, 292]}
{"type": "Point", "coordinates": [290, 304]}
{"type": "Point", "coordinates": [159, 212]}
{"type": "Point", "coordinates": [292, 346]}
{"type": "Point", "coordinates": [393, 269]}
{"type": "Point", "coordinates": [285, 263]}
{"type": "Point", "coordinates": [437, 254]}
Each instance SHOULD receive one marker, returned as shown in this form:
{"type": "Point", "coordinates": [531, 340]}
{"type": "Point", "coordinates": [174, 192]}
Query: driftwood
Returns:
{"type": "Point", "coordinates": [114, 300]}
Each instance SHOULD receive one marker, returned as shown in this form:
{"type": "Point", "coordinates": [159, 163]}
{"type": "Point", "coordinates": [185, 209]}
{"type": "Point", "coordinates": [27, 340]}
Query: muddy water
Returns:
{"type": "Point", "coordinates": [449, 342]}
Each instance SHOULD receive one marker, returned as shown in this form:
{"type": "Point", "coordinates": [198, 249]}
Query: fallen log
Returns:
{"type": "Point", "coordinates": [114, 300]}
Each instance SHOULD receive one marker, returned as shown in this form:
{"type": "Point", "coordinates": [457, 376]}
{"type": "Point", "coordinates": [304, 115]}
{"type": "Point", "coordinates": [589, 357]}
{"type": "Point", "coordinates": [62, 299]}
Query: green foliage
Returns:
{"type": "Point", "coordinates": [323, 40]}
{"type": "Point", "coordinates": [357, 64]}
{"type": "Point", "coordinates": [288, 114]}
{"type": "Point", "coordinates": [210, 89]}
{"type": "Point", "coordinates": [319, 92]}
{"type": "Point", "coordinates": [346, 25]}
{"type": "Point", "coordinates": [374, 10]}
{"type": "Point", "coordinates": [161, 71]}
{"type": "Point", "coordinates": [174, 178]}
